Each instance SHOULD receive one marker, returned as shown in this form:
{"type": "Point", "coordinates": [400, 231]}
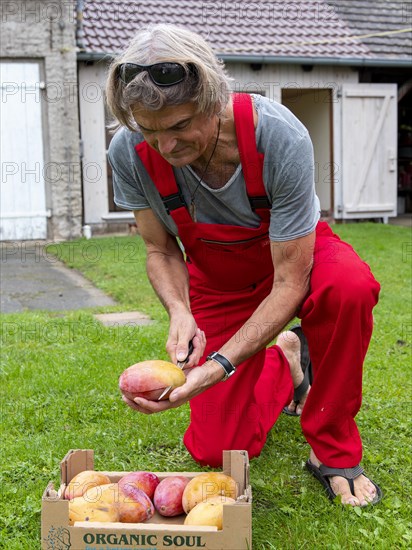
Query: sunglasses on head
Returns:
{"type": "Point", "coordinates": [162, 74]}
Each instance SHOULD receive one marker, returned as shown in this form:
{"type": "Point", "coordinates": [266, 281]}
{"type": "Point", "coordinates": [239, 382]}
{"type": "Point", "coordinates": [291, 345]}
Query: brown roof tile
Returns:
{"type": "Point", "coordinates": [384, 24]}
{"type": "Point", "coordinates": [309, 28]}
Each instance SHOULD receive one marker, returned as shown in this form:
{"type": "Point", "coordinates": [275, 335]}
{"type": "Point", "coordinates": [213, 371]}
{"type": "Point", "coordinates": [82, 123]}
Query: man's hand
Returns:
{"type": "Point", "coordinates": [198, 379]}
{"type": "Point", "coordinates": [182, 330]}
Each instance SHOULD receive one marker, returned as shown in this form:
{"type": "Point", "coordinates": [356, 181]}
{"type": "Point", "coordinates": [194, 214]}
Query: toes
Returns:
{"type": "Point", "coordinates": [351, 501]}
{"type": "Point", "coordinates": [341, 488]}
{"type": "Point", "coordinates": [370, 493]}
{"type": "Point", "coordinates": [371, 489]}
{"type": "Point", "coordinates": [364, 490]}
{"type": "Point", "coordinates": [295, 407]}
{"type": "Point", "coordinates": [298, 407]}
{"type": "Point", "coordinates": [292, 407]}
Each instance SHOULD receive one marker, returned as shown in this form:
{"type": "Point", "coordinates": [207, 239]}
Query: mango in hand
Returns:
{"type": "Point", "coordinates": [149, 379]}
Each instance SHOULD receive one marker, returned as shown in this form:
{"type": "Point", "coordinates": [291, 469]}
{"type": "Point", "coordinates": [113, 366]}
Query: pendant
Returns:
{"type": "Point", "coordinates": [192, 211]}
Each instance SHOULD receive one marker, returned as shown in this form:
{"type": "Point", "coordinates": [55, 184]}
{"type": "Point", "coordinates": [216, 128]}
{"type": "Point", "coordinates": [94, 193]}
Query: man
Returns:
{"type": "Point", "coordinates": [231, 177]}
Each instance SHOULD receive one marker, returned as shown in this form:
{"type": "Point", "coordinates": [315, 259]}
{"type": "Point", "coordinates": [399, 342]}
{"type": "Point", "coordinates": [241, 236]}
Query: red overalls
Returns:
{"type": "Point", "coordinates": [231, 272]}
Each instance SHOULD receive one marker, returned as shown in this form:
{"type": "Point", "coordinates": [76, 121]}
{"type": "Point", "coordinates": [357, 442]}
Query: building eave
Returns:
{"type": "Point", "coordinates": [279, 60]}
{"type": "Point", "coordinates": [96, 56]}
{"type": "Point", "coordinates": [304, 60]}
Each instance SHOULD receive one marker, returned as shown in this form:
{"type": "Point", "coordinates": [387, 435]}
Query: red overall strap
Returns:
{"type": "Point", "coordinates": [158, 169]}
{"type": "Point", "coordinates": [161, 173]}
{"type": "Point", "coordinates": [250, 158]}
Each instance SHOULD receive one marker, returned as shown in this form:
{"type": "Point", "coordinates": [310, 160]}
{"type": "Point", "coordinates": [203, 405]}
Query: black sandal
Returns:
{"type": "Point", "coordinates": [322, 474]}
{"type": "Point", "coordinates": [306, 367]}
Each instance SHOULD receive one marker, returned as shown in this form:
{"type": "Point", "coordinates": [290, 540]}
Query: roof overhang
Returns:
{"type": "Point", "coordinates": [280, 60]}
{"type": "Point", "coordinates": [300, 60]}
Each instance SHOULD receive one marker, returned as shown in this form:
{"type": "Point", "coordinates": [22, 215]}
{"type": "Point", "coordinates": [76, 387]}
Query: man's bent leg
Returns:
{"type": "Point", "coordinates": [239, 412]}
{"type": "Point", "coordinates": [231, 415]}
{"type": "Point", "coordinates": [337, 321]}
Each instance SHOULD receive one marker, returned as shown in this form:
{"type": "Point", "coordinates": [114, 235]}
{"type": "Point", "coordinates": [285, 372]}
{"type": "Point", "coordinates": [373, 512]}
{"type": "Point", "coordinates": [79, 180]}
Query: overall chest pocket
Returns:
{"type": "Point", "coordinates": [237, 246]}
{"type": "Point", "coordinates": [234, 262]}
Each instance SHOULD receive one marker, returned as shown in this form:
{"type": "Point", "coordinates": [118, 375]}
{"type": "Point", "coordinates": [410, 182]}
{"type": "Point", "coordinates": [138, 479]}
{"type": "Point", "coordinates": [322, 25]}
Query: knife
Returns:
{"type": "Point", "coordinates": [181, 365]}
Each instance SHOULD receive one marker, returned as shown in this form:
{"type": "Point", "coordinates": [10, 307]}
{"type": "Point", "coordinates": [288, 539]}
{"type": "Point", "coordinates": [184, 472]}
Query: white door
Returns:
{"type": "Point", "coordinates": [369, 151]}
{"type": "Point", "coordinates": [22, 196]}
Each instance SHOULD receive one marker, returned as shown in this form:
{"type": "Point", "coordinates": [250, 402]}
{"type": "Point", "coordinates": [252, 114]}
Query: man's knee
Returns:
{"type": "Point", "coordinates": [351, 289]}
{"type": "Point", "coordinates": [217, 426]}
{"type": "Point", "coordinates": [206, 452]}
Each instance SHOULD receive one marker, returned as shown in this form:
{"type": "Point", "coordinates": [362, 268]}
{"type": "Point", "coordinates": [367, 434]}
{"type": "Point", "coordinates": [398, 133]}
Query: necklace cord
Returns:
{"type": "Point", "coordinates": [192, 195]}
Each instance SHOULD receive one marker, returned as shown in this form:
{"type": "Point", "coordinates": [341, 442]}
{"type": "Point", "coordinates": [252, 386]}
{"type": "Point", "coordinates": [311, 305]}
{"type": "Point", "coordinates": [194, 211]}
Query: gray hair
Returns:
{"type": "Point", "coordinates": [207, 86]}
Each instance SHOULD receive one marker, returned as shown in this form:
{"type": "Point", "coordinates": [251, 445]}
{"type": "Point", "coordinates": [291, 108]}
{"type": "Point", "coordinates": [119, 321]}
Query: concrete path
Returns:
{"type": "Point", "coordinates": [31, 280]}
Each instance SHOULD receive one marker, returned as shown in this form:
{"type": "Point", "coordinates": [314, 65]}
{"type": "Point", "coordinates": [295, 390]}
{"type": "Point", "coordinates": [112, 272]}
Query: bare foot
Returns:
{"type": "Point", "coordinates": [289, 342]}
{"type": "Point", "coordinates": [365, 491]}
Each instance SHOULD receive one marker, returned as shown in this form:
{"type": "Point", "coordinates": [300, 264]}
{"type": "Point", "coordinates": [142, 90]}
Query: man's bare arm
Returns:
{"type": "Point", "coordinates": [166, 268]}
{"type": "Point", "coordinates": [168, 275]}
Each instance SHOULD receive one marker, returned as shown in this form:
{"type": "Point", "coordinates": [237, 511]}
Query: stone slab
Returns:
{"type": "Point", "coordinates": [128, 318]}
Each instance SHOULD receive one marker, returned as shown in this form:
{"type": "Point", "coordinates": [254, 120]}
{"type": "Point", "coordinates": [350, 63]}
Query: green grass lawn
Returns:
{"type": "Point", "coordinates": [59, 373]}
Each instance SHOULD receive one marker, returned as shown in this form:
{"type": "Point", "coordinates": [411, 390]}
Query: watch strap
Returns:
{"type": "Point", "coordinates": [224, 362]}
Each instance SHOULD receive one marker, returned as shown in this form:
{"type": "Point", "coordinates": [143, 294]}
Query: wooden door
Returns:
{"type": "Point", "coordinates": [369, 150]}
{"type": "Point", "coordinates": [23, 195]}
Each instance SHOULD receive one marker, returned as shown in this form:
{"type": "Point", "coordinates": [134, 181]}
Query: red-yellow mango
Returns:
{"type": "Point", "coordinates": [102, 494]}
{"type": "Point", "coordinates": [208, 512]}
{"type": "Point", "coordinates": [146, 481]}
{"type": "Point", "coordinates": [148, 379]}
{"type": "Point", "coordinates": [205, 486]}
{"type": "Point", "coordinates": [133, 505]}
{"type": "Point", "coordinates": [81, 509]}
{"type": "Point", "coordinates": [83, 481]}
{"type": "Point", "coordinates": [168, 496]}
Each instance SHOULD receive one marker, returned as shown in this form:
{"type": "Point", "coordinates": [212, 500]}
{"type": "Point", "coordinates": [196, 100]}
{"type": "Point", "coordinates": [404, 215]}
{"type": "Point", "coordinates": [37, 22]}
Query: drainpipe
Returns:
{"type": "Point", "coordinates": [79, 25]}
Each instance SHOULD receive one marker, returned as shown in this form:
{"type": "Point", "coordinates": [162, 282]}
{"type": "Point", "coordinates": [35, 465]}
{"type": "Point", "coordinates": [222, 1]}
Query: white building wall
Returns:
{"type": "Point", "coordinates": [44, 32]}
{"type": "Point", "coordinates": [271, 79]}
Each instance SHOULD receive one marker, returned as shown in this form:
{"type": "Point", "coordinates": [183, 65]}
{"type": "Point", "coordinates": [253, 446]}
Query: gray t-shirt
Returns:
{"type": "Point", "coordinates": [288, 176]}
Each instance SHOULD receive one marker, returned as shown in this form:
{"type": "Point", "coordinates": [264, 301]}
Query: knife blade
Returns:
{"type": "Point", "coordinates": [181, 365]}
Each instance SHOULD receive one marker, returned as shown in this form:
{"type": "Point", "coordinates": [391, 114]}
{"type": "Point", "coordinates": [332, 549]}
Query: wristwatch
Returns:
{"type": "Point", "coordinates": [224, 363]}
